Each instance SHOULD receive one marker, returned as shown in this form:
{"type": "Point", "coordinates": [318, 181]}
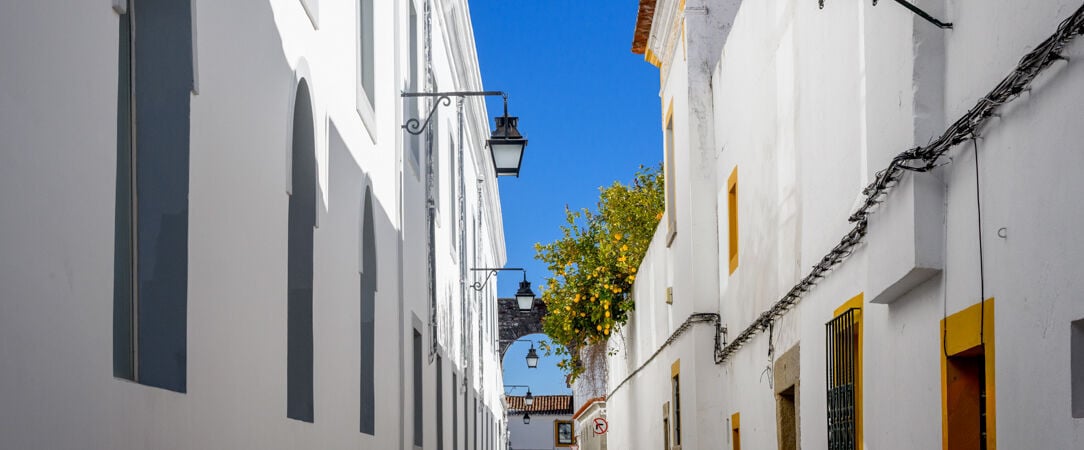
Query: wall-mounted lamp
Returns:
{"type": "Point", "coordinates": [528, 399]}
{"type": "Point", "coordinates": [532, 355]}
{"type": "Point", "coordinates": [506, 144]}
{"type": "Point", "coordinates": [532, 358]}
{"type": "Point", "coordinates": [524, 296]}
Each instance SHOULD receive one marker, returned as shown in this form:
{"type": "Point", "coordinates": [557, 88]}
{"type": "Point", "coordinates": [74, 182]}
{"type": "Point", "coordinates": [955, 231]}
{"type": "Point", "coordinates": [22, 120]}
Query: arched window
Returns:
{"type": "Point", "coordinates": [302, 220]}
{"type": "Point", "coordinates": [367, 267]}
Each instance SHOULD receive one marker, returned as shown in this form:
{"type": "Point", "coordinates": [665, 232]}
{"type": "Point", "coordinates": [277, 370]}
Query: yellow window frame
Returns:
{"type": "Point", "coordinates": [732, 218]}
{"type": "Point", "coordinates": [735, 431]}
{"type": "Point", "coordinates": [856, 303]}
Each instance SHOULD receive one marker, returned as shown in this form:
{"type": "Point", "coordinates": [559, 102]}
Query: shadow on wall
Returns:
{"type": "Point", "coordinates": [356, 211]}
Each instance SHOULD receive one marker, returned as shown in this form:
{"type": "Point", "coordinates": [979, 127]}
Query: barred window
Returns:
{"type": "Point", "coordinates": [843, 379]}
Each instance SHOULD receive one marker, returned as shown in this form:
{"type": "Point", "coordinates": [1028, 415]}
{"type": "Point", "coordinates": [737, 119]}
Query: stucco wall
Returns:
{"type": "Point", "coordinates": [537, 435]}
{"type": "Point", "coordinates": [809, 104]}
{"type": "Point", "coordinates": [57, 173]}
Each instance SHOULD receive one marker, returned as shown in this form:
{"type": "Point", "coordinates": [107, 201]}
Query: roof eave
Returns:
{"type": "Point", "coordinates": [644, 19]}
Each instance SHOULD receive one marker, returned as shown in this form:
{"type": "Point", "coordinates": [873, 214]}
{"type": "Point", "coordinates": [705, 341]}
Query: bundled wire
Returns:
{"type": "Point", "coordinates": [918, 159]}
{"type": "Point", "coordinates": [693, 319]}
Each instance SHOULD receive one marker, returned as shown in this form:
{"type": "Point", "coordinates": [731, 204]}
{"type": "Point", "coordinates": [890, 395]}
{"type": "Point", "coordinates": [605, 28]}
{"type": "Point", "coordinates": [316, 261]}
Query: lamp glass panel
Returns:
{"type": "Point", "coordinates": [525, 302]}
{"type": "Point", "coordinates": [506, 156]}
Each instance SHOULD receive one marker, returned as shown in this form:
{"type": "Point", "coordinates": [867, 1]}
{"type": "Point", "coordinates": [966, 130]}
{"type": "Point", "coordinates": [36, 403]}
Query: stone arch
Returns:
{"type": "Point", "coordinates": [514, 324]}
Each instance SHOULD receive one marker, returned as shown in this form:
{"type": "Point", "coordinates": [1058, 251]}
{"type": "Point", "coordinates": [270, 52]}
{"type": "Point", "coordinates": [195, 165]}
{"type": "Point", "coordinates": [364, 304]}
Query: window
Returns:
{"type": "Point", "coordinates": [967, 377]}
{"type": "Point", "coordinates": [440, 404]}
{"type": "Point", "coordinates": [785, 373]}
{"type": "Point", "coordinates": [418, 420]}
{"type": "Point", "coordinates": [453, 176]}
{"type": "Point", "coordinates": [732, 217]}
{"type": "Point", "coordinates": [411, 109]}
{"type": "Point", "coordinates": [787, 419]}
{"type": "Point", "coordinates": [455, 412]}
{"type": "Point", "coordinates": [669, 178]}
{"type": "Point", "coordinates": [844, 376]}
{"type": "Point", "coordinates": [150, 271]}
{"type": "Point", "coordinates": [562, 433]}
{"type": "Point", "coordinates": [666, 426]}
{"type": "Point", "coordinates": [1077, 367]}
{"type": "Point", "coordinates": [433, 156]}
{"type": "Point", "coordinates": [735, 431]}
{"type": "Point", "coordinates": [301, 226]}
{"type": "Point", "coordinates": [675, 390]}
{"type": "Point", "coordinates": [366, 60]}
{"type": "Point", "coordinates": [367, 268]}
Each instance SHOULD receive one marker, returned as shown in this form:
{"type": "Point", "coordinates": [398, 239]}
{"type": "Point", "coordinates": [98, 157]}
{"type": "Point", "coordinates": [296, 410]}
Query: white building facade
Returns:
{"type": "Point", "coordinates": [548, 424]}
{"type": "Point", "coordinates": [215, 229]}
{"type": "Point", "coordinates": [940, 309]}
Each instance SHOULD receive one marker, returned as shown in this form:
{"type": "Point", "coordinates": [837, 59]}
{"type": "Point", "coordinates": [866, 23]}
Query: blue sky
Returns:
{"type": "Point", "coordinates": [590, 110]}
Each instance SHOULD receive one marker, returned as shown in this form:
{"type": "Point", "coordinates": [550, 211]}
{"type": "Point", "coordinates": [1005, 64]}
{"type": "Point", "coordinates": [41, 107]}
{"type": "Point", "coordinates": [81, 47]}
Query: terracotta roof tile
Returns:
{"type": "Point", "coordinates": [643, 26]}
{"type": "Point", "coordinates": [542, 404]}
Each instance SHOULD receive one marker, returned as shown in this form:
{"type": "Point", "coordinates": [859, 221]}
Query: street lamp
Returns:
{"type": "Point", "coordinates": [526, 419]}
{"type": "Point", "coordinates": [532, 358]}
{"type": "Point", "coordinates": [524, 296]}
{"type": "Point", "coordinates": [532, 355]}
{"type": "Point", "coordinates": [528, 399]}
{"type": "Point", "coordinates": [506, 144]}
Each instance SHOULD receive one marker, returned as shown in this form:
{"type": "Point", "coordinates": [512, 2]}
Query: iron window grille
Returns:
{"type": "Point", "coordinates": [842, 383]}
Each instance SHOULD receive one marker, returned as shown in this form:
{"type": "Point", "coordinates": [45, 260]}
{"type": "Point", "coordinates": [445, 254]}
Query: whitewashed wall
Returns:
{"type": "Point", "coordinates": [57, 173]}
{"type": "Point", "coordinates": [809, 104]}
{"type": "Point", "coordinates": [537, 435]}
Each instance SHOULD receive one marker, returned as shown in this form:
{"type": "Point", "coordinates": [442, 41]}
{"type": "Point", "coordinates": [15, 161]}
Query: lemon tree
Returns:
{"type": "Point", "coordinates": [593, 265]}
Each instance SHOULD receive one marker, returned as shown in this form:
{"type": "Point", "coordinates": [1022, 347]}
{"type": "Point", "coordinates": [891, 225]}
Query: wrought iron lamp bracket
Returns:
{"type": "Point", "coordinates": [479, 285]}
{"type": "Point", "coordinates": [416, 127]}
{"type": "Point", "coordinates": [915, 9]}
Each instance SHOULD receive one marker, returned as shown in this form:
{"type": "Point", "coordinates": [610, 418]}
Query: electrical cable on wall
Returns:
{"type": "Point", "coordinates": [920, 159]}
{"type": "Point", "coordinates": [927, 157]}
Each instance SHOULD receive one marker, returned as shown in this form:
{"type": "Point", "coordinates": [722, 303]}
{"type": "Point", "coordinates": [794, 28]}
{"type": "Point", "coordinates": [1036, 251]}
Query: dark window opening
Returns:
{"type": "Point", "coordinates": [418, 419]}
{"type": "Point", "coordinates": [301, 226]}
{"type": "Point", "coordinates": [842, 354]}
{"type": "Point", "coordinates": [455, 412]}
{"type": "Point", "coordinates": [368, 282]}
{"type": "Point", "coordinates": [1077, 368]}
{"type": "Point", "coordinates": [787, 417]}
{"type": "Point", "coordinates": [666, 426]}
{"type": "Point", "coordinates": [150, 298]}
{"type": "Point", "coordinates": [440, 404]}
{"type": "Point", "coordinates": [676, 385]}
